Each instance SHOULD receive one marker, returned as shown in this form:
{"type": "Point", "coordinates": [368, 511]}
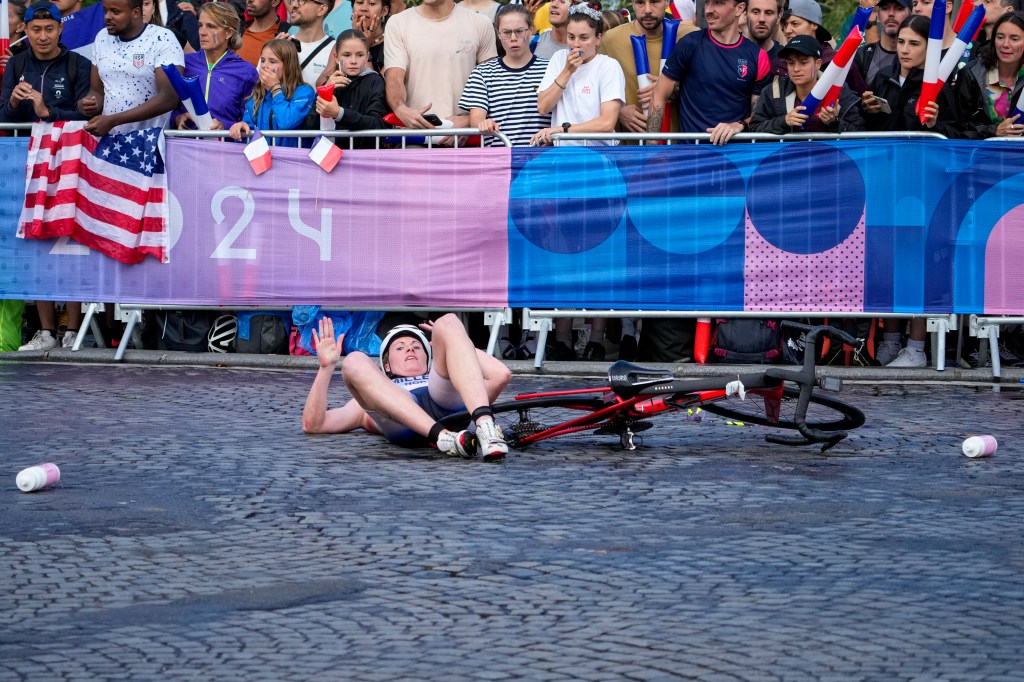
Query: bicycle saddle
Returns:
{"type": "Point", "coordinates": [623, 376]}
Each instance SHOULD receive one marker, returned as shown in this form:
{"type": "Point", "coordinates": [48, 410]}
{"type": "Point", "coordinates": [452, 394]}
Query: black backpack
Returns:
{"type": "Point", "coordinates": [185, 330]}
{"type": "Point", "coordinates": [745, 341]}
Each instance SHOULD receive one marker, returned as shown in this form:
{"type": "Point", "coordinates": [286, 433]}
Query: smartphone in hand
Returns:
{"type": "Point", "coordinates": [432, 119]}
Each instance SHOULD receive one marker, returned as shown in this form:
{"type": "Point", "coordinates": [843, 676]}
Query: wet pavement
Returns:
{"type": "Point", "coordinates": [197, 533]}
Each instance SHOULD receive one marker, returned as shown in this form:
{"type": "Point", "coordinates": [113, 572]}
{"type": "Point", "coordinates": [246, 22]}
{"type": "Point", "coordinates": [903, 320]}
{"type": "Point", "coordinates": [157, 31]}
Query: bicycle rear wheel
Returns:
{"type": "Point", "coordinates": [525, 421]}
{"type": "Point", "coordinates": [823, 413]}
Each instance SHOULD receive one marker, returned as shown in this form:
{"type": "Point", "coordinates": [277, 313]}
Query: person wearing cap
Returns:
{"type": "Point", "coordinates": [417, 383]}
{"type": "Point", "coordinates": [874, 58]}
{"type": "Point", "coordinates": [720, 74]}
{"type": "Point", "coordinates": [46, 81]}
{"type": "Point", "coordinates": [804, 18]}
{"type": "Point", "coordinates": [779, 109]}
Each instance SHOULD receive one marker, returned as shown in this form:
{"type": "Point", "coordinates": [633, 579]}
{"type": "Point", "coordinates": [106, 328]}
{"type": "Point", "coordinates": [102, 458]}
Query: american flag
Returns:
{"type": "Point", "coordinates": [107, 193]}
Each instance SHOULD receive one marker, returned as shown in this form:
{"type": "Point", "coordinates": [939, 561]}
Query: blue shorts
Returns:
{"type": "Point", "coordinates": [438, 399]}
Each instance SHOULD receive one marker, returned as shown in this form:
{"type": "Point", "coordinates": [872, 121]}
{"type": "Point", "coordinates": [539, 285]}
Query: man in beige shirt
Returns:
{"type": "Point", "coordinates": [429, 52]}
{"type": "Point", "coordinates": [617, 45]}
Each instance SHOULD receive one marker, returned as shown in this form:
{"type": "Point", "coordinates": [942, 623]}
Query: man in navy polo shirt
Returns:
{"type": "Point", "coordinates": [720, 74]}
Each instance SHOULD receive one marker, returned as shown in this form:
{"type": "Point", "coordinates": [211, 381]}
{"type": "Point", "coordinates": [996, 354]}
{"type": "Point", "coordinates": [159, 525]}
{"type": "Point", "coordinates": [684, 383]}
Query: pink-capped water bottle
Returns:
{"type": "Point", "coordinates": [980, 446]}
{"type": "Point", "coordinates": [37, 477]}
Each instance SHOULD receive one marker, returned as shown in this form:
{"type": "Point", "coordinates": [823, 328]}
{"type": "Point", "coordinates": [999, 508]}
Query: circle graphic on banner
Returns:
{"type": "Point", "coordinates": [686, 213]}
{"type": "Point", "coordinates": [567, 200]}
{"type": "Point", "coordinates": [806, 198]}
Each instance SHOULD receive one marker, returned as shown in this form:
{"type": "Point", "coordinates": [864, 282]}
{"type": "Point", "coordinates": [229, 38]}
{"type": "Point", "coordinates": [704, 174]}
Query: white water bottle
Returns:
{"type": "Point", "coordinates": [37, 477]}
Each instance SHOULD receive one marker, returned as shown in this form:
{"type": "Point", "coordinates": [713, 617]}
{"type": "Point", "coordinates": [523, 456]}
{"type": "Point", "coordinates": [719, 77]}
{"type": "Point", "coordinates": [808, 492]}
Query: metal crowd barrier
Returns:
{"type": "Point", "coordinates": [541, 320]}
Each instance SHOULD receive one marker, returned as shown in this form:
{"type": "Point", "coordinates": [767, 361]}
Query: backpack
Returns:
{"type": "Point", "coordinates": [182, 329]}
{"type": "Point", "coordinates": [746, 341]}
{"type": "Point", "coordinates": [263, 333]}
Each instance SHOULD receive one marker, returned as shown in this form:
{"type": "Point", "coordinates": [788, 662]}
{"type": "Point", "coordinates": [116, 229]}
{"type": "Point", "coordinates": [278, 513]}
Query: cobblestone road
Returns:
{"type": "Point", "coordinates": [198, 534]}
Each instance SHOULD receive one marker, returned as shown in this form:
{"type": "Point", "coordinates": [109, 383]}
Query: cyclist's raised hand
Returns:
{"type": "Point", "coordinates": [328, 349]}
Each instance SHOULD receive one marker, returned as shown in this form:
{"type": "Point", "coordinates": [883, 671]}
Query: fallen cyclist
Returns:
{"type": "Point", "coordinates": [417, 383]}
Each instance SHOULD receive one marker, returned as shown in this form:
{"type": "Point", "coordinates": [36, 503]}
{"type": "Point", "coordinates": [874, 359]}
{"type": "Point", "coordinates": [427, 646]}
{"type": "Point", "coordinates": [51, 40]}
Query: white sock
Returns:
{"type": "Point", "coordinates": [915, 345]}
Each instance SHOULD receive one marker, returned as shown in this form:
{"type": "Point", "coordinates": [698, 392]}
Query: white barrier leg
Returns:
{"type": "Point", "coordinates": [993, 345]}
{"type": "Point", "coordinates": [89, 322]}
{"type": "Point", "coordinates": [939, 327]}
{"type": "Point", "coordinates": [542, 326]}
{"type": "Point", "coordinates": [133, 318]}
{"type": "Point", "coordinates": [495, 321]}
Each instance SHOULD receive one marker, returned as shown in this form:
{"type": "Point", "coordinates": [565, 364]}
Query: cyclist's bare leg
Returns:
{"type": "Point", "coordinates": [478, 377]}
{"type": "Point", "coordinates": [374, 392]}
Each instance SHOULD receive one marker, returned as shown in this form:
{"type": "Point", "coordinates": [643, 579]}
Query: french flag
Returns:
{"type": "Point", "coordinates": [5, 31]}
{"type": "Point", "coordinates": [325, 153]}
{"type": "Point", "coordinates": [258, 153]}
{"type": "Point", "coordinates": [683, 10]}
{"type": "Point", "coordinates": [833, 72]}
{"type": "Point", "coordinates": [190, 92]}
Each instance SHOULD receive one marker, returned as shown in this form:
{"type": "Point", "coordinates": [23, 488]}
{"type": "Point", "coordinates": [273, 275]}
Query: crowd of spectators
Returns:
{"type": "Point", "coordinates": [529, 70]}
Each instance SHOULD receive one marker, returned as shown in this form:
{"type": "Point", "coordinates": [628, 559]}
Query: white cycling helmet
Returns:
{"type": "Point", "coordinates": [400, 331]}
{"type": "Point", "coordinates": [222, 334]}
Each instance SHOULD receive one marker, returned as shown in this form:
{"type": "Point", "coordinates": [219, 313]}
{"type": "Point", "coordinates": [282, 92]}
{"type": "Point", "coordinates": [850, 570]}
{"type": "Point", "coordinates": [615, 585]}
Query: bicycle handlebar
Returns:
{"type": "Point", "coordinates": [806, 379]}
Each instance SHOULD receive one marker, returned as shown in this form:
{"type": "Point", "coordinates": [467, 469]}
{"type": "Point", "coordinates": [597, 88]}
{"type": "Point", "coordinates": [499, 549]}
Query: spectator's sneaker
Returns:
{"type": "Point", "coordinates": [559, 351]}
{"type": "Point", "coordinates": [490, 441]}
{"type": "Point", "coordinates": [627, 348]}
{"type": "Point", "coordinates": [887, 352]}
{"type": "Point", "coordinates": [1005, 357]}
{"type": "Point", "coordinates": [909, 358]}
{"type": "Point", "coordinates": [42, 340]}
{"type": "Point", "coordinates": [457, 444]}
{"type": "Point", "coordinates": [68, 341]}
{"type": "Point", "coordinates": [594, 352]}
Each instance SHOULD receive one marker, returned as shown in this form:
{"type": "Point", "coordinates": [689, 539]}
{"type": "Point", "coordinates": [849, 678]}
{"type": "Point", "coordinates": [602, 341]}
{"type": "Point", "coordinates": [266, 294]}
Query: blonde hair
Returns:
{"type": "Point", "coordinates": [291, 79]}
{"type": "Point", "coordinates": [225, 16]}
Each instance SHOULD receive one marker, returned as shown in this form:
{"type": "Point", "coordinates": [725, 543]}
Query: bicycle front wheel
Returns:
{"type": "Point", "coordinates": [823, 413]}
{"type": "Point", "coordinates": [535, 419]}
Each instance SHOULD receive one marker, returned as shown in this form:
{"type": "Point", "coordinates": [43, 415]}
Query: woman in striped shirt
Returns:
{"type": "Point", "coordinates": [501, 94]}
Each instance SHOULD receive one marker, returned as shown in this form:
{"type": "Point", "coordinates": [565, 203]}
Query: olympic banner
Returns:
{"type": "Point", "coordinates": [900, 226]}
{"type": "Point", "coordinates": [422, 228]}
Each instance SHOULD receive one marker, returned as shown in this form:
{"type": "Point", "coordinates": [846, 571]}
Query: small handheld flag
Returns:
{"type": "Point", "coordinates": [258, 153]}
{"type": "Point", "coordinates": [190, 92]}
{"type": "Point", "coordinates": [325, 153]}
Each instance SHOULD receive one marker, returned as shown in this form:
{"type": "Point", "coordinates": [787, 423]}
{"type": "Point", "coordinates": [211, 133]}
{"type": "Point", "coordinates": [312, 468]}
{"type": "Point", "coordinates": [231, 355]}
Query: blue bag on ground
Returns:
{"type": "Point", "coordinates": [362, 336]}
{"type": "Point", "coordinates": [307, 318]}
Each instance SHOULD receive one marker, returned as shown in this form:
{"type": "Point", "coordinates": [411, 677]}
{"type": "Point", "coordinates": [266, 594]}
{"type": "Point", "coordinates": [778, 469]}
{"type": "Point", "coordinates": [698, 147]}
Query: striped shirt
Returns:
{"type": "Point", "coordinates": [509, 96]}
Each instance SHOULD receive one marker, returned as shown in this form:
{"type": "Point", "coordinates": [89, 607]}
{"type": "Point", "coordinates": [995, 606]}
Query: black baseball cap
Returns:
{"type": "Point", "coordinates": [908, 4]}
{"type": "Point", "coordinates": [803, 45]}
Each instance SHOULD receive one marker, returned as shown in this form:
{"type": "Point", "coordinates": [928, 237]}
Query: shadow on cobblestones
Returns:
{"type": "Point", "coordinates": [197, 533]}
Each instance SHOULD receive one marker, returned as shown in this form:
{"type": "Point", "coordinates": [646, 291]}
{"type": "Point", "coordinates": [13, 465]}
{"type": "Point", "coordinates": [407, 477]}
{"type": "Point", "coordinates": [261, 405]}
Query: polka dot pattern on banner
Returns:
{"type": "Point", "coordinates": [777, 280]}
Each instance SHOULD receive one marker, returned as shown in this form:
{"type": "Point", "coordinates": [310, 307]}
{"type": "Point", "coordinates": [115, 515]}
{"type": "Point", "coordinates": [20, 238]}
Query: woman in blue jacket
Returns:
{"type": "Point", "coordinates": [227, 79]}
{"type": "Point", "coordinates": [280, 100]}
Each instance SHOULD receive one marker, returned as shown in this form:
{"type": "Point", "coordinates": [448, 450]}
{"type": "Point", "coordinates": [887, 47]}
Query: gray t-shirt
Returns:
{"type": "Point", "coordinates": [547, 46]}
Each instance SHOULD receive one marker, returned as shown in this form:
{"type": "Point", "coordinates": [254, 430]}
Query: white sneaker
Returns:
{"type": "Point", "coordinates": [490, 441]}
{"type": "Point", "coordinates": [43, 340]}
{"type": "Point", "coordinates": [68, 341]}
{"type": "Point", "coordinates": [457, 443]}
{"type": "Point", "coordinates": [909, 358]}
{"type": "Point", "coordinates": [887, 352]}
